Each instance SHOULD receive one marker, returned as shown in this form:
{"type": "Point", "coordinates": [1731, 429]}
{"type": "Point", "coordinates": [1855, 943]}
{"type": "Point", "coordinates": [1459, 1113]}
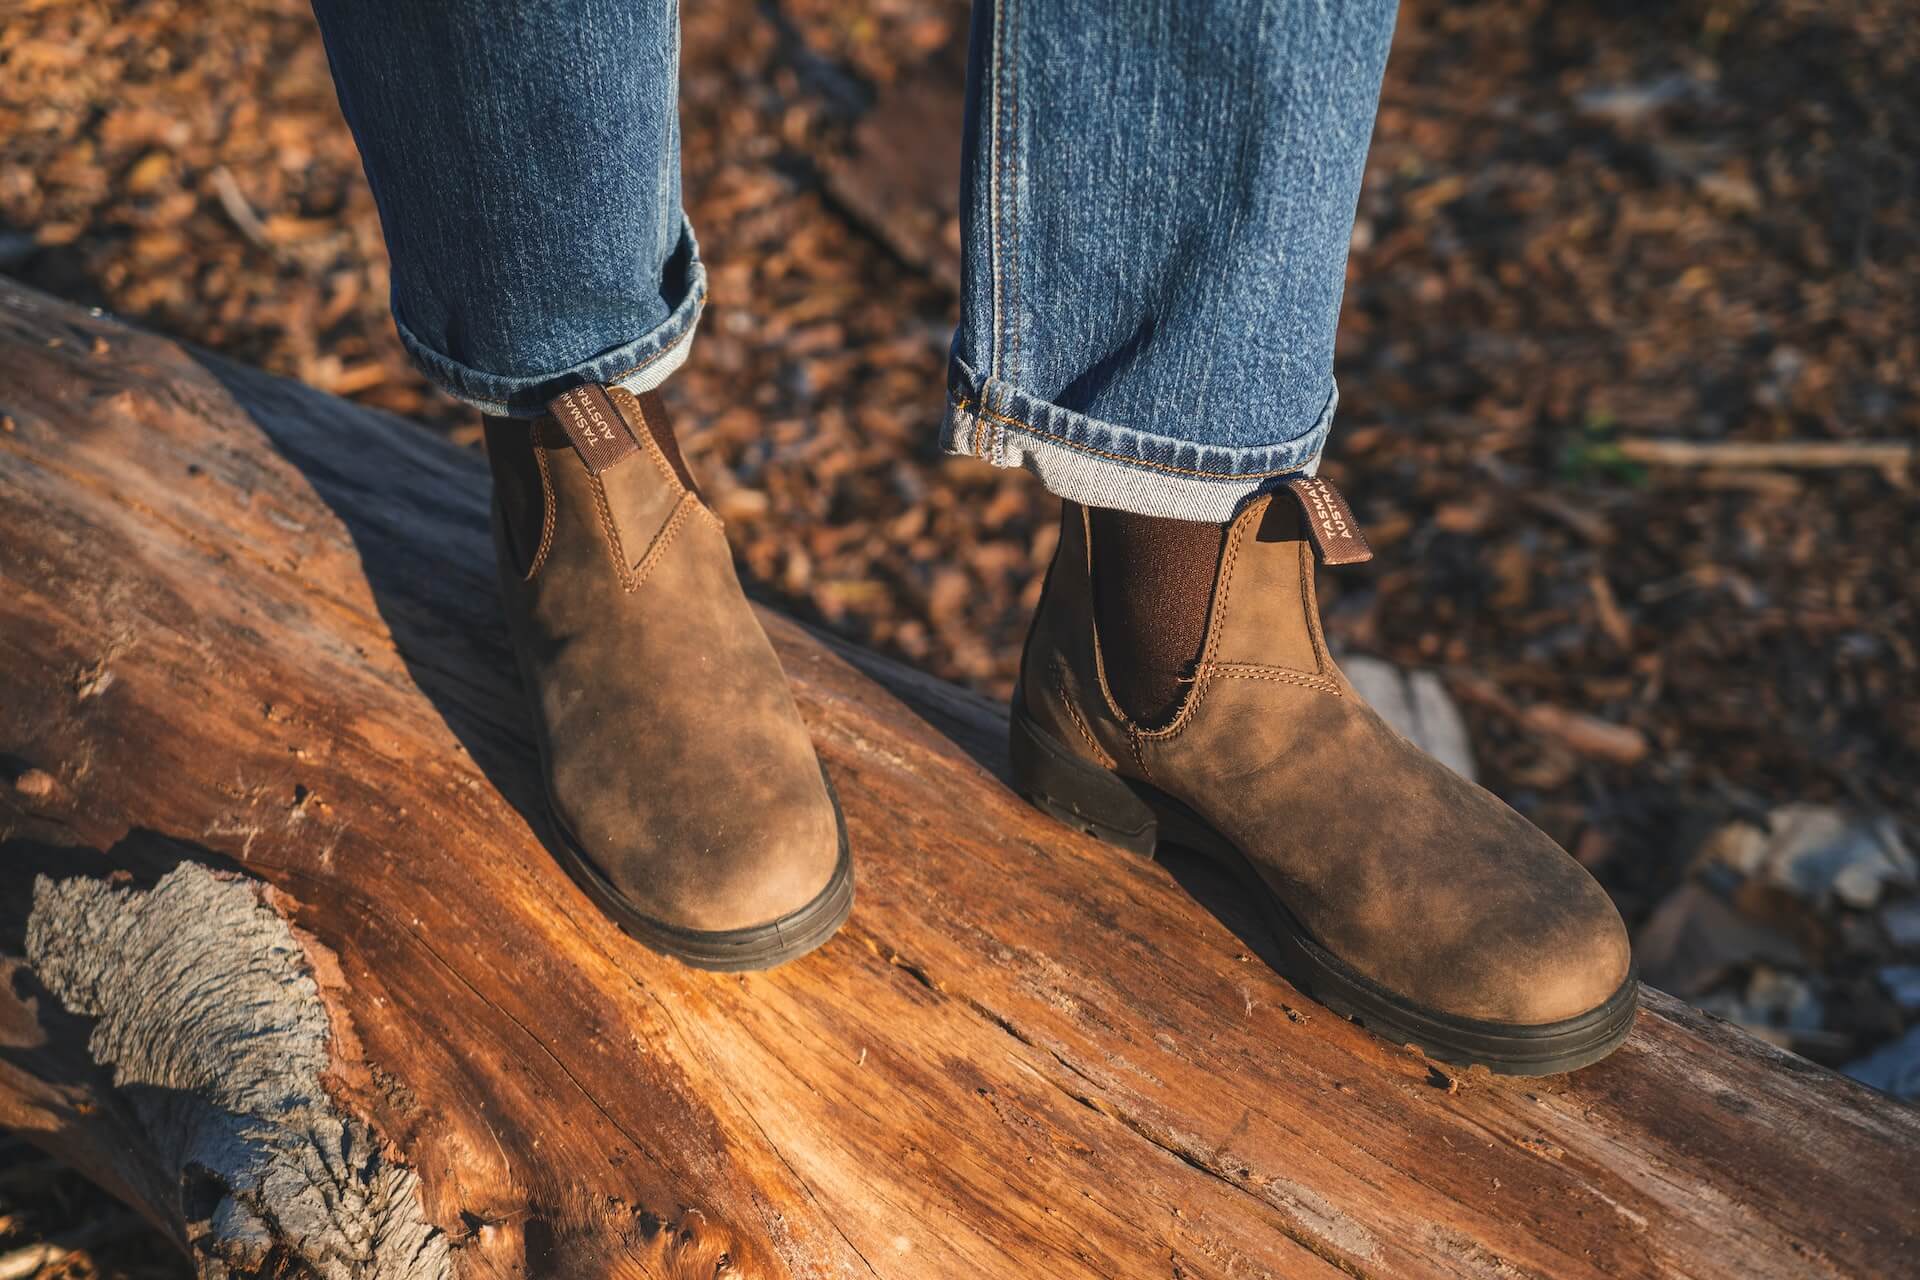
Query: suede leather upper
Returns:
{"type": "Point", "coordinates": [674, 754]}
{"type": "Point", "coordinates": [1416, 878]}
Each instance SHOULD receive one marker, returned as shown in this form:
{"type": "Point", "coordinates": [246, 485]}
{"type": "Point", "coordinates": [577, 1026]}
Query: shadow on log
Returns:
{"type": "Point", "coordinates": [290, 970]}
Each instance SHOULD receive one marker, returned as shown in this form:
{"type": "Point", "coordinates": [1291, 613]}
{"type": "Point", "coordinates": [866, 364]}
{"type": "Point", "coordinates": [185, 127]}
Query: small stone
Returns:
{"type": "Point", "coordinates": [1774, 1006]}
{"type": "Point", "coordinates": [1417, 704]}
{"type": "Point", "coordinates": [34, 784]}
{"type": "Point", "coordinates": [1785, 1000]}
{"type": "Point", "coordinates": [1693, 939]}
{"type": "Point", "coordinates": [1901, 922]}
{"type": "Point", "coordinates": [1902, 982]}
{"type": "Point", "coordinates": [1818, 853]}
{"type": "Point", "coordinates": [1634, 104]}
{"type": "Point", "coordinates": [148, 173]}
{"type": "Point", "coordinates": [739, 505]}
{"type": "Point", "coordinates": [1893, 1068]}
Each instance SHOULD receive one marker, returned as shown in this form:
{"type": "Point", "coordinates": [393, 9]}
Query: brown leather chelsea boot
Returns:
{"type": "Point", "coordinates": [1402, 895]}
{"type": "Point", "coordinates": [686, 795]}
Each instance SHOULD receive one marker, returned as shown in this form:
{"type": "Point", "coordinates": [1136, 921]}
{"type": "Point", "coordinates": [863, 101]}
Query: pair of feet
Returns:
{"type": "Point", "coordinates": [690, 804]}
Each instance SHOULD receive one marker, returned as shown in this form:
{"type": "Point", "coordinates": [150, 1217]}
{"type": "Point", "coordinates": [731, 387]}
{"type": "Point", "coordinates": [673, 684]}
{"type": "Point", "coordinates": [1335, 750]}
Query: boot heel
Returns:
{"type": "Point", "coordinates": [1081, 795]}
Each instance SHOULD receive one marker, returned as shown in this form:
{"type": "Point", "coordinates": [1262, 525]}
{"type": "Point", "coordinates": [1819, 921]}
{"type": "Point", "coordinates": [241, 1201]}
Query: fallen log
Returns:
{"type": "Point", "coordinates": [289, 970]}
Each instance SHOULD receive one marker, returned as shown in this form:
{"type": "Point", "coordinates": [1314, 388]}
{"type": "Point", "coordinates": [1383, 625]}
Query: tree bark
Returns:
{"type": "Point", "coordinates": [292, 972]}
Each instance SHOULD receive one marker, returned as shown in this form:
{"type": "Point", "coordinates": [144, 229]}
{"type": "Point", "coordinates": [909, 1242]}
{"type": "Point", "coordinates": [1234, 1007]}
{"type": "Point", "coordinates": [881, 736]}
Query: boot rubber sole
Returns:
{"type": "Point", "coordinates": [760, 946]}
{"type": "Point", "coordinates": [1138, 818]}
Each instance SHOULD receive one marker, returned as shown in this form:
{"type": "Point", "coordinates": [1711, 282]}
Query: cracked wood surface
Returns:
{"type": "Point", "coordinates": [245, 625]}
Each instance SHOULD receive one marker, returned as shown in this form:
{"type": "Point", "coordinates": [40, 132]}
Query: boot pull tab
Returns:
{"type": "Point", "coordinates": [599, 432]}
{"type": "Point", "coordinates": [1330, 521]}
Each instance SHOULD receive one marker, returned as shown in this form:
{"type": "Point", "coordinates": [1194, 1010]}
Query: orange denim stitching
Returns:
{"type": "Point", "coordinates": [685, 335]}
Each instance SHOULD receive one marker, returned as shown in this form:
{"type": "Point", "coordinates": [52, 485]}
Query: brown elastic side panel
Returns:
{"type": "Point", "coordinates": [651, 411]}
{"type": "Point", "coordinates": [1330, 521]}
{"type": "Point", "coordinates": [1152, 588]}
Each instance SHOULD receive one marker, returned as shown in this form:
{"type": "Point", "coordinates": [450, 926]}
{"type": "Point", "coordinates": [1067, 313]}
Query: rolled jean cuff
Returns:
{"type": "Point", "coordinates": [638, 365]}
{"type": "Point", "coordinates": [1102, 464]}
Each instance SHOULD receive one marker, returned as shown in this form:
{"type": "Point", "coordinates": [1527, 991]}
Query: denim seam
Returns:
{"type": "Point", "coordinates": [497, 393]}
{"type": "Point", "coordinates": [994, 184]}
{"type": "Point", "coordinates": [452, 369]}
{"type": "Point", "coordinates": [1012, 370]}
{"type": "Point", "coordinates": [963, 405]}
{"type": "Point", "coordinates": [672, 345]}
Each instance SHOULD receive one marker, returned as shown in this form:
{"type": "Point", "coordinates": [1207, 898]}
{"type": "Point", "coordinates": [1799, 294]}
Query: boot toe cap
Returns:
{"type": "Point", "coordinates": [719, 860]}
{"type": "Point", "coordinates": [1543, 958]}
{"type": "Point", "coordinates": [1583, 968]}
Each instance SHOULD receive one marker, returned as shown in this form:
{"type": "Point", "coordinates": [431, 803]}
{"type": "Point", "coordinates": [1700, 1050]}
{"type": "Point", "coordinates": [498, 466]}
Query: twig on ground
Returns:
{"type": "Point", "coordinates": [234, 201]}
{"type": "Point", "coordinates": [1578, 732]}
{"type": "Point", "coordinates": [1892, 458]}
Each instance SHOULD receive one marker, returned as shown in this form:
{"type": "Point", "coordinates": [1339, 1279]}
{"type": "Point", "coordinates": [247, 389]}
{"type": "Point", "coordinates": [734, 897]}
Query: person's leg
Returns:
{"type": "Point", "coordinates": [1158, 197]}
{"type": "Point", "coordinates": [525, 158]}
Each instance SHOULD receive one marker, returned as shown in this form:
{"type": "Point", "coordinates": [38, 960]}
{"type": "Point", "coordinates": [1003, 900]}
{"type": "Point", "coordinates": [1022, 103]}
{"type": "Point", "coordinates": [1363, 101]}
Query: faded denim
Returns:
{"type": "Point", "coordinates": [1157, 197]}
{"type": "Point", "coordinates": [525, 157]}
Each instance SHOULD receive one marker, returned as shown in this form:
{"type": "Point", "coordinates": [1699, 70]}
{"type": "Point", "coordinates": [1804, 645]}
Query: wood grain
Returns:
{"type": "Point", "coordinates": [246, 625]}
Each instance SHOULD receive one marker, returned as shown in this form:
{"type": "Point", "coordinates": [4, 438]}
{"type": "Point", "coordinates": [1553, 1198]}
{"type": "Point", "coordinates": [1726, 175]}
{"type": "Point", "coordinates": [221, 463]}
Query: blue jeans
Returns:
{"type": "Point", "coordinates": [1156, 196]}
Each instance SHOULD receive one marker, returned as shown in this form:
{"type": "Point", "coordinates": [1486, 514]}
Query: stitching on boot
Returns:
{"type": "Point", "coordinates": [651, 445]}
{"type": "Point", "coordinates": [610, 533]}
{"type": "Point", "coordinates": [629, 403]}
{"type": "Point", "coordinates": [661, 541]}
{"type": "Point", "coordinates": [1216, 624]}
{"type": "Point", "coordinates": [1114, 709]}
{"type": "Point", "coordinates": [1258, 671]}
{"type": "Point", "coordinates": [1074, 717]}
{"type": "Point", "coordinates": [1134, 737]}
{"type": "Point", "coordinates": [548, 501]}
{"type": "Point", "coordinates": [1309, 606]}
